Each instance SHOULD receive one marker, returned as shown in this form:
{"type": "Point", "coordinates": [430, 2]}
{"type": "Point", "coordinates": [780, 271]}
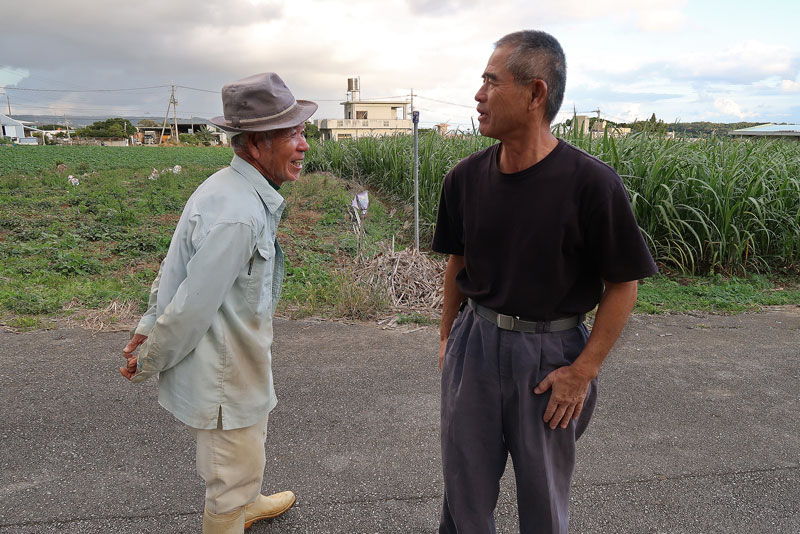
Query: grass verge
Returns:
{"type": "Point", "coordinates": [715, 294]}
{"type": "Point", "coordinates": [86, 254]}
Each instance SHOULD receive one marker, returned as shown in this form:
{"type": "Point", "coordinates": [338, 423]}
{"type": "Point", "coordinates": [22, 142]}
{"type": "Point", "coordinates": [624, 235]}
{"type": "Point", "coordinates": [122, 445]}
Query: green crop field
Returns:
{"type": "Point", "coordinates": [710, 206]}
{"type": "Point", "coordinates": [67, 248]}
{"type": "Point", "coordinates": [32, 160]}
{"type": "Point", "coordinates": [705, 206]}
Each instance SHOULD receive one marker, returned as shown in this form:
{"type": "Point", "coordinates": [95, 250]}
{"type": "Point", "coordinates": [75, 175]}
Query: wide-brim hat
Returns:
{"type": "Point", "coordinates": [260, 103]}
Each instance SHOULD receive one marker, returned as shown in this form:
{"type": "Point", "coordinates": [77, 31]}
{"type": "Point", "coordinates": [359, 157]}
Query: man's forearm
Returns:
{"type": "Point", "coordinates": [615, 306]}
{"type": "Point", "coordinates": [210, 275]}
{"type": "Point", "coordinates": [452, 295]}
{"type": "Point", "coordinates": [148, 320]}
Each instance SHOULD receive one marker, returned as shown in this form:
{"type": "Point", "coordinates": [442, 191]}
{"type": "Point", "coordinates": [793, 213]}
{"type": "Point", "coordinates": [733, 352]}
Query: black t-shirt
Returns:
{"type": "Point", "coordinates": [539, 243]}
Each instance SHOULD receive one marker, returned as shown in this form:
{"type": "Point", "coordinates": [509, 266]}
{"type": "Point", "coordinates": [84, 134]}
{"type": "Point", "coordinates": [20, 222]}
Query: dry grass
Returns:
{"type": "Point", "coordinates": [413, 281]}
{"type": "Point", "coordinates": [118, 316]}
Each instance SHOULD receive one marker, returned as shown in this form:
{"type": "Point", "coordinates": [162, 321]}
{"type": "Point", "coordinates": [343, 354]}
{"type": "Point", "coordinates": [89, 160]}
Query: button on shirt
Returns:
{"type": "Point", "coordinates": [209, 325]}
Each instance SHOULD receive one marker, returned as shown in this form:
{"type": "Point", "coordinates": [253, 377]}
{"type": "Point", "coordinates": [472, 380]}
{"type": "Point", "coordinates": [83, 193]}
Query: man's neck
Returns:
{"type": "Point", "coordinates": [256, 166]}
{"type": "Point", "coordinates": [523, 151]}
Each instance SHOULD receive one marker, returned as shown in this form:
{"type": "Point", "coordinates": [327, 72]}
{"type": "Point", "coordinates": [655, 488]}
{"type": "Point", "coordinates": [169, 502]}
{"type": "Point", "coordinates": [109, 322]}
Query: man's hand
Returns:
{"type": "Point", "coordinates": [566, 400]}
{"type": "Point", "coordinates": [570, 383]}
{"type": "Point", "coordinates": [130, 366]}
{"type": "Point", "coordinates": [442, 349]}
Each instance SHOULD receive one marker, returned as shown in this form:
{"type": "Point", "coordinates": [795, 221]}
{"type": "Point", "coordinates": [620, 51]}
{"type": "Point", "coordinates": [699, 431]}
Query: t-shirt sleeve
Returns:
{"type": "Point", "coordinates": [448, 236]}
{"type": "Point", "coordinates": [617, 246]}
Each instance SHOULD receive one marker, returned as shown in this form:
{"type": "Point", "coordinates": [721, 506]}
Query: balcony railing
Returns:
{"type": "Point", "coordinates": [363, 123]}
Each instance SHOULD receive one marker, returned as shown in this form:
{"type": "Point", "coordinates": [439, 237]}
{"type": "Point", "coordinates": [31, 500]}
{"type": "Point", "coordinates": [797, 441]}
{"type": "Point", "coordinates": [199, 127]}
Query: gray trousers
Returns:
{"type": "Point", "coordinates": [489, 410]}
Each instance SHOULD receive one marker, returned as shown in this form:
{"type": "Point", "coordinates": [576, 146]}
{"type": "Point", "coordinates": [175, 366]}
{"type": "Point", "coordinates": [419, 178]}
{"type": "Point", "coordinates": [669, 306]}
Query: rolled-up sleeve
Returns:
{"type": "Point", "coordinates": [210, 274]}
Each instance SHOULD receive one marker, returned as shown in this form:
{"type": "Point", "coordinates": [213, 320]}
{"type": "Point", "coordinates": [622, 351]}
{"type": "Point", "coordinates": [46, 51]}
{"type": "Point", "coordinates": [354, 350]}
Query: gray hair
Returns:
{"type": "Point", "coordinates": [239, 141]}
{"type": "Point", "coordinates": [537, 55]}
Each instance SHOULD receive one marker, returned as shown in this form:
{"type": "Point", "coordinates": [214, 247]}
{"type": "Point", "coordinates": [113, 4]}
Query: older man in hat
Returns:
{"type": "Point", "coordinates": [208, 332]}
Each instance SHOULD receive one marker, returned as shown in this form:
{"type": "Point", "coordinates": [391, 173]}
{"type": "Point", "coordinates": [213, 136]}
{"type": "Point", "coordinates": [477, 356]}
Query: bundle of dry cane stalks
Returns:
{"type": "Point", "coordinates": [412, 280]}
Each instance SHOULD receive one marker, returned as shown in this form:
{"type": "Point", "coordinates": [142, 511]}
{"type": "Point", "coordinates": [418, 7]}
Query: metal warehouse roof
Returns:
{"type": "Point", "coordinates": [5, 120]}
{"type": "Point", "coordinates": [770, 129]}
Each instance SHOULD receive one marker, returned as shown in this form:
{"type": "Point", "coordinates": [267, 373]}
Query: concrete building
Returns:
{"type": "Point", "coordinates": [598, 127]}
{"type": "Point", "coordinates": [785, 131]}
{"type": "Point", "coordinates": [581, 124]}
{"type": "Point", "coordinates": [365, 118]}
{"type": "Point", "coordinates": [149, 135]}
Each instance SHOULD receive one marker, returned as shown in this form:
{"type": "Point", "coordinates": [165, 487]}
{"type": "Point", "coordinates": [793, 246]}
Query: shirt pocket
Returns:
{"type": "Point", "coordinates": [259, 277]}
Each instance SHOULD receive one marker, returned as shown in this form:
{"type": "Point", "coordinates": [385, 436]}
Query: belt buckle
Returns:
{"type": "Point", "coordinates": [506, 322]}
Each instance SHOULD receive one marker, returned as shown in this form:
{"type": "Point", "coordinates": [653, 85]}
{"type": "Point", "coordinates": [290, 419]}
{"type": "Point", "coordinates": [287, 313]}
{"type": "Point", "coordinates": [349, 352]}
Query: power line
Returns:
{"type": "Point", "coordinates": [197, 89]}
{"type": "Point", "coordinates": [60, 108]}
{"type": "Point", "coordinates": [8, 87]}
{"type": "Point", "coordinates": [445, 102]}
{"type": "Point", "coordinates": [366, 100]}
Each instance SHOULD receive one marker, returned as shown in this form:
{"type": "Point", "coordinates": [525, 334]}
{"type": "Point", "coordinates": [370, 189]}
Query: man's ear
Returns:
{"type": "Point", "coordinates": [538, 92]}
{"type": "Point", "coordinates": [252, 145]}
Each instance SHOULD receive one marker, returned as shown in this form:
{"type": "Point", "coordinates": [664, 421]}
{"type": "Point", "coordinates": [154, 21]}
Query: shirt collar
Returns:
{"type": "Point", "coordinates": [273, 200]}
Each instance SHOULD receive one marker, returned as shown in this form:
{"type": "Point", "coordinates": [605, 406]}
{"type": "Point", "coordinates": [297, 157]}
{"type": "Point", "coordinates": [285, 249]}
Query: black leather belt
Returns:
{"type": "Point", "coordinates": [511, 322]}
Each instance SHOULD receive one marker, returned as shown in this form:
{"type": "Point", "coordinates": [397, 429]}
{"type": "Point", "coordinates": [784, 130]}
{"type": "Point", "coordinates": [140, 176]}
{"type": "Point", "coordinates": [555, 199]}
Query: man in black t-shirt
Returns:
{"type": "Point", "coordinates": [538, 233]}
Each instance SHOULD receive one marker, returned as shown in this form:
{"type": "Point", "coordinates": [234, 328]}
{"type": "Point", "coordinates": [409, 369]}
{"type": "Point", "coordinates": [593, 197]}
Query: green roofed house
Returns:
{"type": "Point", "coordinates": [785, 131]}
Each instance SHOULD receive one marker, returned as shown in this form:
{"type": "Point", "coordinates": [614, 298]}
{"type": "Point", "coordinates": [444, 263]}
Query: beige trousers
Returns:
{"type": "Point", "coordinates": [232, 464]}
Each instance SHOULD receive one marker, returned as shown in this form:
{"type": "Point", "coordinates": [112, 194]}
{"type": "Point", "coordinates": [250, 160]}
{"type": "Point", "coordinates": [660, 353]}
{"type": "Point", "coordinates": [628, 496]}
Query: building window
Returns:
{"type": "Point", "coordinates": [361, 114]}
{"type": "Point", "coordinates": [386, 123]}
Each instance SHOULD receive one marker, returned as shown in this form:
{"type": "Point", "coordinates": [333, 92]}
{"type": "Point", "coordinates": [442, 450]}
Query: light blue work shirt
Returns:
{"type": "Point", "coordinates": [209, 326]}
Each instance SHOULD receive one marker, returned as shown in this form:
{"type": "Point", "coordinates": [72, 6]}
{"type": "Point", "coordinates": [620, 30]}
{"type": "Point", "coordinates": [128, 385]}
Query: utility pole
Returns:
{"type": "Point", "coordinates": [175, 116]}
{"type": "Point", "coordinates": [174, 105]}
{"type": "Point", "coordinates": [9, 105]}
{"type": "Point", "coordinates": [412, 100]}
{"type": "Point", "coordinates": [67, 123]}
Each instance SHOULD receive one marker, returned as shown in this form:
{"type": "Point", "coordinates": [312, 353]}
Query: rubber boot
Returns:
{"type": "Point", "coordinates": [229, 523]}
{"type": "Point", "coordinates": [267, 507]}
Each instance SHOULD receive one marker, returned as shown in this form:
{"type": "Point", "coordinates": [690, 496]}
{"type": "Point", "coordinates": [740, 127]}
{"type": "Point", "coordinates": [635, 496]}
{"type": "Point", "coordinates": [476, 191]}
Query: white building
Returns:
{"type": "Point", "coordinates": [784, 131]}
{"type": "Point", "coordinates": [18, 131]}
{"type": "Point", "coordinates": [364, 118]}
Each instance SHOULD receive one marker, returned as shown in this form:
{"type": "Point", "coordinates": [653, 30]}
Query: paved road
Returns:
{"type": "Point", "coordinates": [697, 431]}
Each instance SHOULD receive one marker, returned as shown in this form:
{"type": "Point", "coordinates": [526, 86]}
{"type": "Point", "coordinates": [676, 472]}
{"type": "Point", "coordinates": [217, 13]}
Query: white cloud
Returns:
{"type": "Point", "coordinates": [728, 106]}
{"type": "Point", "coordinates": [790, 86]}
{"type": "Point", "coordinates": [626, 112]}
{"type": "Point", "coordinates": [438, 47]}
{"type": "Point", "coordinates": [753, 60]}
{"type": "Point", "coordinates": [666, 19]}
{"type": "Point", "coordinates": [647, 15]}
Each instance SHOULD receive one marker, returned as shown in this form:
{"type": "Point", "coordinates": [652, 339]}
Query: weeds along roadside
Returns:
{"type": "Point", "coordinates": [67, 249]}
{"type": "Point", "coordinates": [71, 250]}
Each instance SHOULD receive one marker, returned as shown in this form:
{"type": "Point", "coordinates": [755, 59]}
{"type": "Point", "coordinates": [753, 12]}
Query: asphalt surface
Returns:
{"type": "Point", "coordinates": [697, 431]}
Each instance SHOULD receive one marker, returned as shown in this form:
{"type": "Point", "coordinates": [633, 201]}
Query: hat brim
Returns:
{"type": "Point", "coordinates": [296, 117]}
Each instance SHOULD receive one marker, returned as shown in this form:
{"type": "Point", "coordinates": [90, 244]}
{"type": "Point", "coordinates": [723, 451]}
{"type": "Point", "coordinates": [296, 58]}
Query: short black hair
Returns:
{"type": "Point", "coordinates": [538, 55]}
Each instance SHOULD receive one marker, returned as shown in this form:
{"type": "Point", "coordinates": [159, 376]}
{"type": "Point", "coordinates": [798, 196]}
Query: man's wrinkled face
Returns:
{"type": "Point", "coordinates": [502, 103]}
{"type": "Point", "coordinates": [281, 158]}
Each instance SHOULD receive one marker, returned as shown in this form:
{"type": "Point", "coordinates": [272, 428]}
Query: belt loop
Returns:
{"type": "Point", "coordinates": [543, 327]}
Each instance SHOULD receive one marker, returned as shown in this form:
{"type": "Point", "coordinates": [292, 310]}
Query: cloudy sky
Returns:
{"type": "Point", "coordinates": [688, 60]}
